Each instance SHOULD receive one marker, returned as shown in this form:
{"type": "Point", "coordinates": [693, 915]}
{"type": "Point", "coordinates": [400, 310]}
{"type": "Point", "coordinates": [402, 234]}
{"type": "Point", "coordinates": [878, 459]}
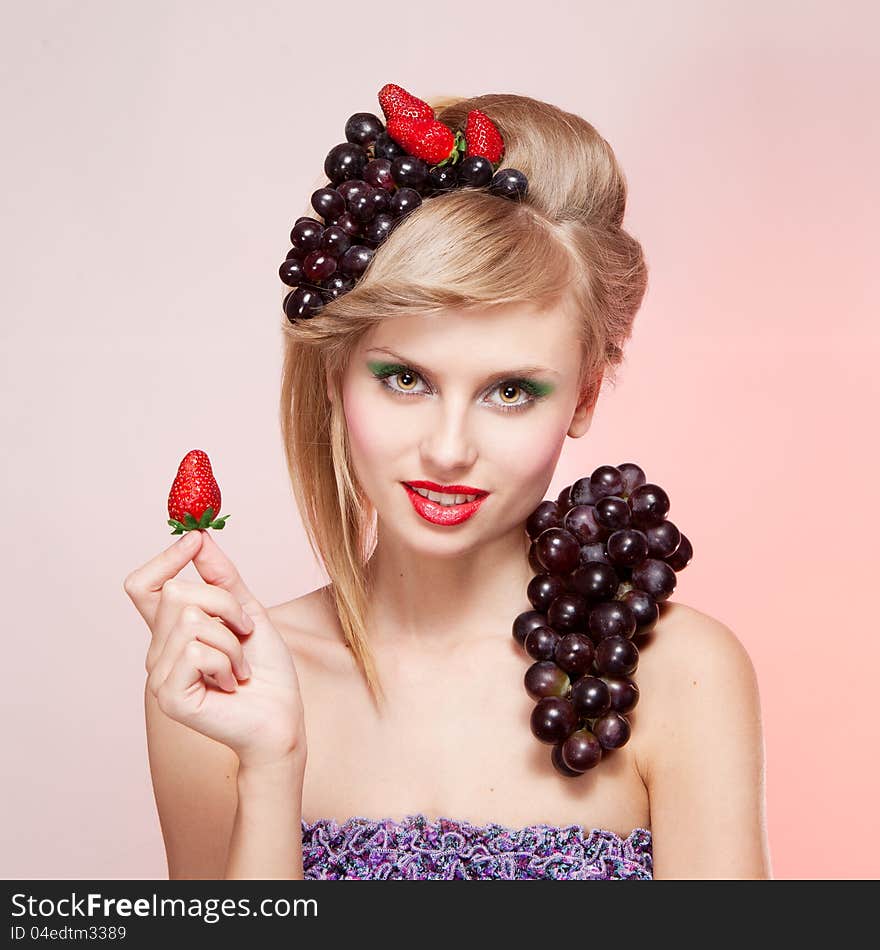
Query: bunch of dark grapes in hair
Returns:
{"type": "Point", "coordinates": [605, 557]}
{"type": "Point", "coordinates": [373, 183]}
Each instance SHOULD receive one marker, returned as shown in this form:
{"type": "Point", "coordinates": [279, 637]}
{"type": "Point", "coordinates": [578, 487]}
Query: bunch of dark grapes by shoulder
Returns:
{"type": "Point", "coordinates": [605, 557]}
{"type": "Point", "coordinates": [373, 184]}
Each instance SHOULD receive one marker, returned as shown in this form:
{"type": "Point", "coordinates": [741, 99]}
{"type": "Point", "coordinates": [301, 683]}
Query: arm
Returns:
{"type": "Point", "coordinates": [267, 835]}
{"type": "Point", "coordinates": [220, 821]}
{"type": "Point", "coordinates": [706, 769]}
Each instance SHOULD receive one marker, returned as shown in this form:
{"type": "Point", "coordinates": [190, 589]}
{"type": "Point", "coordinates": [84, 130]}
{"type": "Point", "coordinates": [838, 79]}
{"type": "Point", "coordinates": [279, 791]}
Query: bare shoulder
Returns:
{"type": "Point", "coordinates": [310, 626]}
{"type": "Point", "coordinates": [687, 643]}
{"type": "Point", "coordinates": [694, 675]}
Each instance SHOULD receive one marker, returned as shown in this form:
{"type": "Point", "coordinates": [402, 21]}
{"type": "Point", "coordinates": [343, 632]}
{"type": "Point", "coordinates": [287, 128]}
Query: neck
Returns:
{"type": "Point", "coordinates": [437, 601]}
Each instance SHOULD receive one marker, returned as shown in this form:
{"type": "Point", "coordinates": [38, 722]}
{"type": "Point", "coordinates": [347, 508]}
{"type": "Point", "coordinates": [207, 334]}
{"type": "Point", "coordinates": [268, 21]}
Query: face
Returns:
{"type": "Point", "coordinates": [476, 402]}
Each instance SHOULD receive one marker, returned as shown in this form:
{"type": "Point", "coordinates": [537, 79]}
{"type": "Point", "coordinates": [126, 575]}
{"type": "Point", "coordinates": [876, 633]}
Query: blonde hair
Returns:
{"type": "Point", "coordinates": [464, 249]}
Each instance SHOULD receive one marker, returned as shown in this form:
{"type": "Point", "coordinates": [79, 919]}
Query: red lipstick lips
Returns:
{"type": "Point", "coordinates": [447, 489]}
{"type": "Point", "coordinates": [439, 514]}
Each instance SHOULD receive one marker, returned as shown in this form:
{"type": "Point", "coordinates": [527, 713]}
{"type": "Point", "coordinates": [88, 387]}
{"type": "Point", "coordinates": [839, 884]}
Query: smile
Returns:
{"type": "Point", "coordinates": [444, 508]}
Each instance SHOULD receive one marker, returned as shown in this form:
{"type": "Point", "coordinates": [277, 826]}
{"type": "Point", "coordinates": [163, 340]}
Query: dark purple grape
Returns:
{"type": "Point", "coordinates": [302, 304]}
{"type": "Point", "coordinates": [582, 522]}
{"type": "Point", "coordinates": [442, 178]}
{"type": "Point", "coordinates": [353, 189]}
{"type": "Point", "coordinates": [294, 254]}
{"type": "Point", "coordinates": [543, 589]}
{"type": "Point", "coordinates": [627, 546]}
{"type": "Point", "coordinates": [574, 654]}
{"type": "Point", "coordinates": [355, 260]}
{"type": "Point", "coordinates": [542, 518]}
{"type": "Point", "coordinates": [582, 494]}
{"type": "Point", "coordinates": [526, 622]}
{"type": "Point", "coordinates": [606, 480]}
{"type": "Point", "coordinates": [644, 608]}
{"type": "Point", "coordinates": [362, 209]}
{"type": "Point", "coordinates": [611, 618]}
{"type": "Point", "coordinates": [563, 502]}
{"type": "Point", "coordinates": [557, 550]}
{"type": "Point", "coordinates": [545, 678]}
{"type": "Point", "coordinates": [403, 201]}
{"type": "Point", "coordinates": [541, 643]}
{"type": "Point", "coordinates": [568, 611]}
{"type": "Point", "coordinates": [682, 556]}
{"type": "Point", "coordinates": [380, 200]}
{"type": "Point", "coordinates": [663, 539]}
{"type": "Point", "coordinates": [409, 171]}
{"type": "Point", "coordinates": [303, 217]}
{"type": "Point", "coordinates": [616, 656]}
{"type": "Point", "coordinates": [386, 147]}
{"type": "Point", "coordinates": [655, 577]}
{"type": "Point", "coordinates": [379, 228]}
{"type": "Point", "coordinates": [558, 764]}
{"type": "Point", "coordinates": [475, 171]}
{"type": "Point", "coordinates": [363, 128]}
{"type": "Point", "coordinates": [345, 161]}
{"type": "Point", "coordinates": [378, 174]}
{"type": "Point", "coordinates": [553, 719]}
{"type": "Point", "coordinates": [348, 224]}
{"type": "Point", "coordinates": [328, 202]}
{"type": "Point", "coordinates": [306, 235]}
{"type": "Point", "coordinates": [335, 241]}
{"type": "Point", "coordinates": [590, 697]}
{"type": "Point", "coordinates": [623, 692]}
{"type": "Point", "coordinates": [509, 183]}
{"type": "Point", "coordinates": [595, 580]}
{"type": "Point", "coordinates": [318, 265]}
{"type": "Point", "coordinates": [594, 551]}
{"type": "Point", "coordinates": [581, 751]}
{"type": "Point", "coordinates": [633, 476]}
{"type": "Point", "coordinates": [335, 286]}
{"type": "Point", "coordinates": [534, 563]}
{"type": "Point", "coordinates": [612, 730]}
{"type": "Point", "coordinates": [612, 512]}
{"type": "Point", "coordinates": [649, 504]}
{"type": "Point", "coordinates": [291, 272]}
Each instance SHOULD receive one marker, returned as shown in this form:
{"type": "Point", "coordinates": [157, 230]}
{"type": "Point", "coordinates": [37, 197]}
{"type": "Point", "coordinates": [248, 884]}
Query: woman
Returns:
{"type": "Point", "coordinates": [378, 726]}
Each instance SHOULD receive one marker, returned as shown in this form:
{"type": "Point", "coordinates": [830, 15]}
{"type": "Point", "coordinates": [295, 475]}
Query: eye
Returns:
{"type": "Point", "coordinates": [406, 379]}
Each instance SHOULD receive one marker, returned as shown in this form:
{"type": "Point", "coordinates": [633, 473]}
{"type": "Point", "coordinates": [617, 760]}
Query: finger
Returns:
{"type": "Point", "coordinates": [214, 601]}
{"type": "Point", "coordinates": [184, 690]}
{"type": "Point", "coordinates": [144, 584]}
{"type": "Point", "coordinates": [216, 568]}
{"type": "Point", "coordinates": [195, 624]}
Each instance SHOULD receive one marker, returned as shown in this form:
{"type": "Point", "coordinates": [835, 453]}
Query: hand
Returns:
{"type": "Point", "coordinates": [243, 694]}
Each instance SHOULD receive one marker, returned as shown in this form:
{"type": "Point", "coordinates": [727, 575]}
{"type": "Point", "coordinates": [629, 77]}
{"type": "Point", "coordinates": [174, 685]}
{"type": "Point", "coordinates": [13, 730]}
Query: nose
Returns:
{"type": "Point", "coordinates": [447, 447]}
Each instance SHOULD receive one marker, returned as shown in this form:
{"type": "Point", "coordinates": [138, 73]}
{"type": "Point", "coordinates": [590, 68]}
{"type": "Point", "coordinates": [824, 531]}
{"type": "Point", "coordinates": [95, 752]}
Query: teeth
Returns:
{"type": "Point", "coordinates": [444, 499]}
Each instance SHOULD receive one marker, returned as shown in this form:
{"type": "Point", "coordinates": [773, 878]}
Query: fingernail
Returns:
{"type": "Point", "coordinates": [247, 620]}
{"type": "Point", "coordinates": [246, 668]}
{"type": "Point", "coordinates": [187, 540]}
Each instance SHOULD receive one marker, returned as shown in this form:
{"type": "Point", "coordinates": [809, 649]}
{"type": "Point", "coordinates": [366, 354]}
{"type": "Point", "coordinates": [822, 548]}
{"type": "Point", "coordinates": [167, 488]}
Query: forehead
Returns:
{"type": "Point", "coordinates": [483, 340]}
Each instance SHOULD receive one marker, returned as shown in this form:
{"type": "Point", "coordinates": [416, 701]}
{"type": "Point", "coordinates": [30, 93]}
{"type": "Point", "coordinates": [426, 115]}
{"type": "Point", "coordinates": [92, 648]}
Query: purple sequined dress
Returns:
{"type": "Point", "coordinates": [424, 849]}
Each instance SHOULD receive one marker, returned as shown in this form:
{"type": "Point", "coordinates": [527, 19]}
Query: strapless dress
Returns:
{"type": "Point", "coordinates": [419, 848]}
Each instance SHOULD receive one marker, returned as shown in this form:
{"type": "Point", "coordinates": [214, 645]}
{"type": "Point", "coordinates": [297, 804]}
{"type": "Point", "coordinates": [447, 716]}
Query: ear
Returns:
{"type": "Point", "coordinates": [583, 412]}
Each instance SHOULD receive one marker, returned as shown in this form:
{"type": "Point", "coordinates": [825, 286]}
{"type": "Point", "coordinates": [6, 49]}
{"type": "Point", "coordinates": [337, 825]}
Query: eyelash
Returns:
{"type": "Point", "coordinates": [523, 384]}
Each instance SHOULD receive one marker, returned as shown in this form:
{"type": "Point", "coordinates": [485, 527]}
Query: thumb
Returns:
{"type": "Point", "coordinates": [216, 568]}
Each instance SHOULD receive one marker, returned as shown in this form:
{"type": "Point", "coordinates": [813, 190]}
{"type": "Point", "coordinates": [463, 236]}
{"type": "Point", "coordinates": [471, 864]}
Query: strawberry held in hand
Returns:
{"type": "Point", "coordinates": [194, 498]}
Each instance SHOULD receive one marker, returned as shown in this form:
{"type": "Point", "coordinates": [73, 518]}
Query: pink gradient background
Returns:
{"type": "Point", "coordinates": [155, 158]}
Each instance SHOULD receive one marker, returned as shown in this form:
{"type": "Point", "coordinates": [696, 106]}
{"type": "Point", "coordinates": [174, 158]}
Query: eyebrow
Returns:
{"type": "Point", "coordinates": [520, 371]}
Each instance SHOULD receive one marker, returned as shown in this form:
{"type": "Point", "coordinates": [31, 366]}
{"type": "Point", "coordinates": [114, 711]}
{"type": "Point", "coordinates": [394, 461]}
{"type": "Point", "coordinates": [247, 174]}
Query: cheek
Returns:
{"type": "Point", "coordinates": [371, 433]}
{"type": "Point", "coordinates": [526, 451]}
